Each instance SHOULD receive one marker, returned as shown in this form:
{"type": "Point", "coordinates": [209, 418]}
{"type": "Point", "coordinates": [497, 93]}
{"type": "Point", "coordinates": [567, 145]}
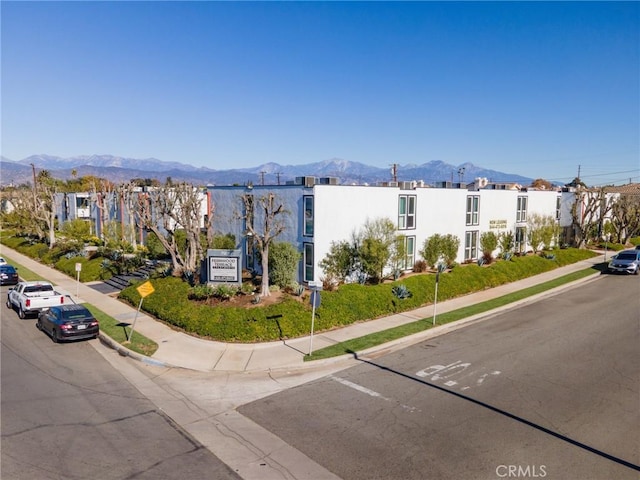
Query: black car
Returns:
{"type": "Point", "coordinates": [68, 322]}
{"type": "Point", "coordinates": [8, 274]}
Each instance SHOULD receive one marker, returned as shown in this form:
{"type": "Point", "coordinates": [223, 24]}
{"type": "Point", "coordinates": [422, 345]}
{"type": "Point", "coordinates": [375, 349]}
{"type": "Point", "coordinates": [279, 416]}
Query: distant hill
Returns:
{"type": "Point", "coordinates": [119, 170]}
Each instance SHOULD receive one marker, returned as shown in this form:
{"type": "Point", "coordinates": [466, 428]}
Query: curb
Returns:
{"type": "Point", "coordinates": [123, 351]}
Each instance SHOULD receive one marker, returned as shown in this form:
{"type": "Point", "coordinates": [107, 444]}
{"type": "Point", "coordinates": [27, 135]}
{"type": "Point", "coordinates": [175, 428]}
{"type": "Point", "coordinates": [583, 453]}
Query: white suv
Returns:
{"type": "Point", "coordinates": [627, 261]}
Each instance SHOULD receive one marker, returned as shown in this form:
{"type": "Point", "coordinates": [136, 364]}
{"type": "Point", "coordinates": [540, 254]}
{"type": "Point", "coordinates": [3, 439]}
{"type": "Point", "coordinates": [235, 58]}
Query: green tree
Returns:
{"type": "Point", "coordinates": [340, 262]}
{"type": "Point", "coordinates": [432, 249]}
{"type": "Point", "coordinates": [506, 242]}
{"type": "Point", "coordinates": [440, 248]}
{"type": "Point", "coordinates": [375, 243]}
{"type": "Point", "coordinates": [76, 229]}
{"type": "Point", "coordinates": [450, 246]}
{"type": "Point", "coordinates": [399, 255]}
{"type": "Point", "coordinates": [283, 264]}
{"type": "Point", "coordinates": [542, 230]}
{"type": "Point", "coordinates": [224, 242]}
{"type": "Point", "coordinates": [488, 244]}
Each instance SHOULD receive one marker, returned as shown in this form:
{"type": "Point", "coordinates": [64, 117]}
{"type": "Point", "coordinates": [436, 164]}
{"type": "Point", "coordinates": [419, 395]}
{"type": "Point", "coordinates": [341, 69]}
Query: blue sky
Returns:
{"type": "Point", "coordinates": [533, 88]}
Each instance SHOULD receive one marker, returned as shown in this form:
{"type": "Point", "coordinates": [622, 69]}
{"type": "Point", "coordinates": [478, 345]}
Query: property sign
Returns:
{"type": "Point", "coordinates": [497, 224]}
{"type": "Point", "coordinates": [225, 266]}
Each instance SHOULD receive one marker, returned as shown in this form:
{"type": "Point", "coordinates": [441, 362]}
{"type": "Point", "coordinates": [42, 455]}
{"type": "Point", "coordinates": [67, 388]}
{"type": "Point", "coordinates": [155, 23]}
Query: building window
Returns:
{"type": "Point", "coordinates": [406, 212]}
{"type": "Point", "coordinates": [521, 239]}
{"type": "Point", "coordinates": [471, 245]}
{"type": "Point", "coordinates": [558, 208]}
{"type": "Point", "coordinates": [473, 210]}
{"type": "Point", "coordinates": [307, 202]}
{"type": "Point", "coordinates": [521, 214]}
{"type": "Point", "coordinates": [308, 262]}
{"type": "Point", "coordinates": [410, 252]}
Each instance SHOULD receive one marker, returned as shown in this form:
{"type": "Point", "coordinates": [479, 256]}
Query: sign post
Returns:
{"type": "Point", "coordinates": [315, 302]}
{"type": "Point", "coordinates": [441, 268]}
{"type": "Point", "coordinates": [78, 270]}
{"type": "Point", "coordinates": [145, 289]}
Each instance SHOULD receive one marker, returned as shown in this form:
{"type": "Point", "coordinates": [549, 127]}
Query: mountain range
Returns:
{"type": "Point", "coordinates": [121, 170]}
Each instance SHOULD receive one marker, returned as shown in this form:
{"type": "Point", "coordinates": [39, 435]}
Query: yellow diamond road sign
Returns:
{"type": "Point", "coordinates": [145, 289]}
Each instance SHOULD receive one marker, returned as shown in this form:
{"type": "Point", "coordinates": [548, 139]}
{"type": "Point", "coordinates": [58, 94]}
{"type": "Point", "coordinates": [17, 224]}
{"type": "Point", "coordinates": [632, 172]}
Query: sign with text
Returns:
{"type": "Point", "coordinates": [225, 266]}
{"type": "Point", "coordinates": [145, 289]}
{"type": "Point", "coordinates": [497, 224]}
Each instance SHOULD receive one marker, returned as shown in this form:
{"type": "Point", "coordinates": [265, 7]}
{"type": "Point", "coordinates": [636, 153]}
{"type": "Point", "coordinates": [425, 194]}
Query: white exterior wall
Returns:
{"type": "Point", "coordinates": [342, 210]}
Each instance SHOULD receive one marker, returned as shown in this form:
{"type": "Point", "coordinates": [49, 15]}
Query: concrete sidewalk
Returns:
{"type": "Point", "coordinates": [177, 349]}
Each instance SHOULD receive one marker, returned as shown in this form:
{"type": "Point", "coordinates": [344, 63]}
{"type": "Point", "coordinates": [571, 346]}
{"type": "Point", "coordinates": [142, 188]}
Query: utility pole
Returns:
{"type": "Point", "coordinates": [278, 177]}
{"type": "Point", "coordinates": [394, 172]}
{"type": "Point", "coordinates": [262, 177]}
{"type": "Point", "coordinates": [460, 174]}
{"type": "Point", "coordinates": [579, 166]}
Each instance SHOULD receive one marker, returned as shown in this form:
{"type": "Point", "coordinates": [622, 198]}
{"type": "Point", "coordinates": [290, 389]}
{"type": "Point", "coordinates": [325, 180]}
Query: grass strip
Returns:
{"type": "Point", "coordinates": [378, 338]}
{"type": "Point", "coordinates": [118, 332]}
{"type": "Point", "coordinates": [24, 273]}
{"type": "Point", "coordinates": [108, 325]}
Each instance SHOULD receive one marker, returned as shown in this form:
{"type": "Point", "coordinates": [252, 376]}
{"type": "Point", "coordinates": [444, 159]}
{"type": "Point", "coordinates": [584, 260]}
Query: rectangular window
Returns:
{"type": "Point", "coordinates": [471, 245]}
{"type": "Point", "coordinates": [308, 262]}
{"type": "Point", "coordinates": [473, 210]}
{"type": "Point", "coordinates": [521, 213]}
{"type": "Point", "coordinates": [521, 240]}
{"type": "Point", "coordinates": [308, 216]}
{"type": "Point", "coordinates": [406, 212]}
{"type": "Point", "coordinates": [410, 251]}
{"type": "Point", "coordinates": [558, 208]}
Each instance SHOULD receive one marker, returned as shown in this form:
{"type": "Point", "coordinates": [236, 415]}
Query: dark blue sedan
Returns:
{"type": "Point", "coordinates": [68, 322]}
{"type": "Point", "coordinates": [8, 274]}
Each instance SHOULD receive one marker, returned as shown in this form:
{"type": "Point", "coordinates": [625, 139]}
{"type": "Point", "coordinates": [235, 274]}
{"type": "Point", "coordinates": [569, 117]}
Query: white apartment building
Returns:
{"type": "Point", "coordinates": [320, 212]}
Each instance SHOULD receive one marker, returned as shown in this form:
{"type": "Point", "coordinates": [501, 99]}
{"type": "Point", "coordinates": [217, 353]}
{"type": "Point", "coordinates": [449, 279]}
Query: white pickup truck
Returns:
{"type": "Point", "coordinates": [33, 297]}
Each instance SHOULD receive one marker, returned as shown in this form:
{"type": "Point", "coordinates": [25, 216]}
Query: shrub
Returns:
{"type": "Point", "coordinates": [224, 242]}
{"type": "Point", "coordinates": [438, 248]}
{"type": "Point", "coordinates": [488, 243]}
{"type": "Point", "coordinates": [224, 292]}
{"type": "Point", "coordinates": [283, 264]}
{"type": "Point", "coordinates": [432, 249]}
{"type": "Point", "coordinates": [401, 291]}
{"type": "Point", "coordinates": [340, 262]}
{"type": "Point", "coordinates": [420, 266]}
{"type": "Point", "coordinates": [201, 292]}
{"type": "Point", "coordinates": [506, 242]}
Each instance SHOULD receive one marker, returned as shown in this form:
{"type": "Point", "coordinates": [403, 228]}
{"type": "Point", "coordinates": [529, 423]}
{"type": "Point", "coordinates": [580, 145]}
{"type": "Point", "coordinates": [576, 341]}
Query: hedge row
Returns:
{"type": "Point", "coordinates": [347, 305]}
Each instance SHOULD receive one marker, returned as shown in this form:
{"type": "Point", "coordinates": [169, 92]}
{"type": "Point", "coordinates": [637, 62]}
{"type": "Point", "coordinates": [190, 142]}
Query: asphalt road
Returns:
{"type": "Point", "coordinates": [548, 390]}
{"type": "Point", "coordinates": [68, 414]}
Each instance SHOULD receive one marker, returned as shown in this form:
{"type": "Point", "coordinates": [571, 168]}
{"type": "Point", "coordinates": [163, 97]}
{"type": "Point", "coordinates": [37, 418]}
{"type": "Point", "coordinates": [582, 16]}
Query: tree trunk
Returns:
{"type": "Point", "coordinates": [265, 272]}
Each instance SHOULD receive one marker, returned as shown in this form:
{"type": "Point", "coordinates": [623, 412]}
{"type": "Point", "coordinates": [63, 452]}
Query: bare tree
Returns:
{"type": "Point", "coordinates": [44, 208]}
{"type": "Point", "coordinates": [271, 214]}
{"type": "Point", "coordinates": [625, 217]}
{"type": "Point", "coordinates": [127, 195]}
{"type": "Point", "coordinates": [588, 212]}
{"type": "Point", "coordinates": [102, 194]}
{"type": "Point", "coordinates": [169, 209]}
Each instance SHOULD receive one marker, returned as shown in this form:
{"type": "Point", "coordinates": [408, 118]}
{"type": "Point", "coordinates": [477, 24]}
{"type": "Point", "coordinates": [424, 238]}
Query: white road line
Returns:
{"type": "Point", "coordinates": [369, 392]}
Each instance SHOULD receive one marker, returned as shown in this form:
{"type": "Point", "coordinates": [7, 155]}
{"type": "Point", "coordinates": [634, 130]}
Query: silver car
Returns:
{"type": "Point", "coordinates": [627, 261]}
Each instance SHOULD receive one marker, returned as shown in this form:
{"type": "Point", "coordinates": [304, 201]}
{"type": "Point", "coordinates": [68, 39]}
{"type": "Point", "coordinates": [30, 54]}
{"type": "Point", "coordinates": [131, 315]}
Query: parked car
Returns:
{"type": "Point", "coordinates": [8, 274]}
{"type": "Point", "coordinates": [33, 297]}
{"type": "Point", "coordinates": [627, 261]}
{"type": "Point", "coordinates": [2, 261]}
{"type": "Point", "coordinates": [68, 322]}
